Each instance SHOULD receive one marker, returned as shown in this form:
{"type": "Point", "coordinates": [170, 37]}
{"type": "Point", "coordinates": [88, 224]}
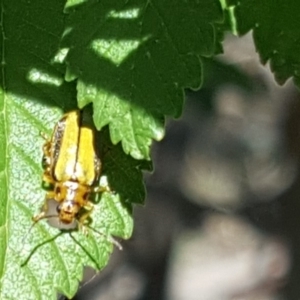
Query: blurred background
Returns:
{"type": "Point", "coordinates": [221, 220]}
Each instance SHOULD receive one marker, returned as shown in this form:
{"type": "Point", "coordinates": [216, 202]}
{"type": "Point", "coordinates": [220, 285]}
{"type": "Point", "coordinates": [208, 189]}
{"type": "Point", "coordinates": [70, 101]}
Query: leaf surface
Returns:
{"type": "Point", "coordinates": [276, 32]}
{"type": "Point", "coordinates": [133, 60]}
{"type": "Point", "coordinates": [38, 264]}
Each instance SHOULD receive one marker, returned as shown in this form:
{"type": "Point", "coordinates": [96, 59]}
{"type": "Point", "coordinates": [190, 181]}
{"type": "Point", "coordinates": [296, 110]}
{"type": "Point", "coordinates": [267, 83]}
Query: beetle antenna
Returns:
{"type": "Point", "coordinates": [35, 221]}
{"type": "Point", "coordinates": [108, 237]}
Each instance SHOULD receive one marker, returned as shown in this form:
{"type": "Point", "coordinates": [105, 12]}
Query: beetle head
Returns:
{"type": "Point", "coordinates": [67, 211]}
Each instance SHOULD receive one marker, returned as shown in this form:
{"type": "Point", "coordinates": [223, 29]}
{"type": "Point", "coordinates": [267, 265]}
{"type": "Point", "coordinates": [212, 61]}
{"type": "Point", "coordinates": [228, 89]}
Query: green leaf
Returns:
{"type": "Point", "coordinates": [38, 264]}
{"type": "Point", "coordinates": [134, 58]}
{"type": "Point", "coordinates": [123, 172]}
{"type": "Point", "coordinates": [276, 32]}
{"type": "Point", "coordinates": [36, 259]}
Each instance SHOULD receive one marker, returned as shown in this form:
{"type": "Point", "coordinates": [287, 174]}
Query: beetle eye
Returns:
{"type": "Point", "coordinates": [58, 208]}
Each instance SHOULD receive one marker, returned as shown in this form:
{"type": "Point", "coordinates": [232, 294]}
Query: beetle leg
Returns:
{"type": "Point", "coordinates": [83, 228]}
{"type": "Point", "coordinates": [47, 145]}
{"type": "Point", "coordinates": [44, 136]}
{"type": "Point", "coordinates": [42, 214]}
{"type": "Point", "coordinates": [38, 217]}
{"type": "Point", "coordinates": [89, 207]}
{"type": "Point", "coordinates": [48, 178]}
{"type": "Point", "coordinates": [101, 189]}
{"type": "Point", "coordinates": [50, 195]}
{"type": "Point", "coordinates": [46, 149]}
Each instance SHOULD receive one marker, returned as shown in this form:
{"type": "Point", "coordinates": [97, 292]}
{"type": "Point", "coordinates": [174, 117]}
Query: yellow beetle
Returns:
{"type": "Point", "coordinates": [72, 168]}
